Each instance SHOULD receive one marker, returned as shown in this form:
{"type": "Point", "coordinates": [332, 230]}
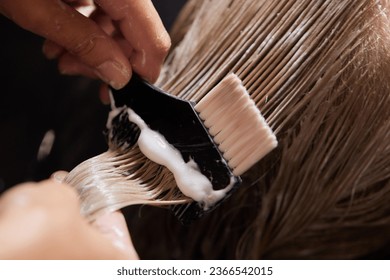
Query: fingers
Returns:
{"type": "Point", "coordinates": [141, 41]}
{"type": "Point", "coordinates": [79, 35]}
{"type": "Point", "coordinates": [111, 225]}
{"type": "Point", "coordinates": [70, 65]}
{"type": "Point", "coordinates": [27, 212]}
{"type": "Point", "coordinates": [55, 229]}
{"type": "Point", "coordinates": [30, 195]}
{"type": "Point", "coordinates": [142, 28]}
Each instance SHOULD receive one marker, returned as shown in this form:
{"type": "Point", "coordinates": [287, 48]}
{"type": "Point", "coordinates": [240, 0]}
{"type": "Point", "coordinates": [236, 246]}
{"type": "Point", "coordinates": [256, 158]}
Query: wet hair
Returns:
{"type": "Point", "coordinates": [319, 71]}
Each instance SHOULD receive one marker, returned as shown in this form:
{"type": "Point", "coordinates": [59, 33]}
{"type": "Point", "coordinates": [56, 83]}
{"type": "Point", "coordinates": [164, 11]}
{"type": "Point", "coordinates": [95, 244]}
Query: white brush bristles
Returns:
{"type": "Point", "coordinates": [236, 124]}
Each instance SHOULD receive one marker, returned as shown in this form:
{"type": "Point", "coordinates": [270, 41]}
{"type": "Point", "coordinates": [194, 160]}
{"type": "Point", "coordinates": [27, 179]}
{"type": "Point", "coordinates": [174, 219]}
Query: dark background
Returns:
{"type": "Point", "coordinates": [35, 98]}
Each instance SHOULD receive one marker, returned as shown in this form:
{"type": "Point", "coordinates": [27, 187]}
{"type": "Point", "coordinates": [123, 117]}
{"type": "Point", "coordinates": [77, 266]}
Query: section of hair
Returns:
{"type": "Point", "coordinates": [122, 176]}
{"type": "Point", "coordinates": [319, 71]}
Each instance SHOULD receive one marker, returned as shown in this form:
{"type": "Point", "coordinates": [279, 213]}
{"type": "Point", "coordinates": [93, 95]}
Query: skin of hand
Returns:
{"type": "Point", "coordinates": [42, 221]}
{"type": "Point", "coordinates": [119, 37]}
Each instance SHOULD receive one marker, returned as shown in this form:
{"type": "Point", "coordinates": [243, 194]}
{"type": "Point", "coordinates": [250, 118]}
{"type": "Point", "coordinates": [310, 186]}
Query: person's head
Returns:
{"type": "Point", "coordinates": [320, 73]}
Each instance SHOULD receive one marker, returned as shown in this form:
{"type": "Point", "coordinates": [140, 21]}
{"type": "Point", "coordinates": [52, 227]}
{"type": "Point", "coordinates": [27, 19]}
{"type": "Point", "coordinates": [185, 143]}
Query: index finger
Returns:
{"type": "Point", "coordinates": [142, 27]}
{"type": "Point", "coordinates": [79, 35]}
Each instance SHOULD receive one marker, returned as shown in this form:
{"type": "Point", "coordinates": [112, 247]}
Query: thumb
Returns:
{"type": "Point", "coordinates": [80, 36]}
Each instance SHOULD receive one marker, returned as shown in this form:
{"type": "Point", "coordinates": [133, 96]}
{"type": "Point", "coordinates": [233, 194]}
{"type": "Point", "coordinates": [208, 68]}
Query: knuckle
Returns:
{"type": "Point", "coordinates": [163, 45]}
{"type": "Point", "coordinates": [83, 47]}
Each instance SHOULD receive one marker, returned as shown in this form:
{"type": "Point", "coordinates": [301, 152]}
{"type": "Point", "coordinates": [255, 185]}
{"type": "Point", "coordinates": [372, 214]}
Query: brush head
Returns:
{"type": "Point", "coordinates": [236, 124]}
{"type": "Point", "coordinates": [177, 121]}
{"type": "Point", "coordinates": [224, 134]}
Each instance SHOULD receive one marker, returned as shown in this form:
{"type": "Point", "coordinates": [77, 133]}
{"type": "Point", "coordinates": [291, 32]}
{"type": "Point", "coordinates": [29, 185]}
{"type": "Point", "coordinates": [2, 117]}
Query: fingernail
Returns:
{"type": "Point", "coordinates": [59, 176]}
{"type": "Point", "coordinates": [113, 73]}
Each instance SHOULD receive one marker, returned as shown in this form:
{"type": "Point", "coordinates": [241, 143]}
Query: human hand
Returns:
{"type": "Point", "coordinates": [42, 221]}
{"type": "Point", "coordinates": [119, 36]}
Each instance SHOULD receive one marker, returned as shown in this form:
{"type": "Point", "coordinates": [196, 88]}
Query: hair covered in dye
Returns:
{"type": "Point", "coordinates": [319, 71]}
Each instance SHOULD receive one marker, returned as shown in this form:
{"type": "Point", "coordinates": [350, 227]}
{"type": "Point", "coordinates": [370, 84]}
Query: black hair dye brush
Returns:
{"type": "Point", "coordinates": [205, 146]}
{"type": "Point", "coordinates": [220, 137]}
